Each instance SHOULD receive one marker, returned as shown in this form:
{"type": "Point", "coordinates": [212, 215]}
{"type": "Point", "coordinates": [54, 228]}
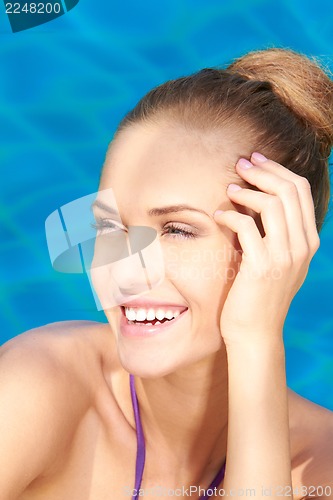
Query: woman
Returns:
{"type": "Point", "coordinates": [233, 160]}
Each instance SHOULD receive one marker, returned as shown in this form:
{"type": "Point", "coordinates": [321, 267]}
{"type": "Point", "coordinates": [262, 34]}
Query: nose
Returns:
{"type": "Point", "coordinates": [131, 275]}
{"type": "Point", "coordinates": [137, 269]}
{"type": "Point", "coordinates": [144, 267]}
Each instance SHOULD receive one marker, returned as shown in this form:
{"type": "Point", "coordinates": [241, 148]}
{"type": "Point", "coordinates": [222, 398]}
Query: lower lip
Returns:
{"type": "Point", "coordinates": [143, 330]}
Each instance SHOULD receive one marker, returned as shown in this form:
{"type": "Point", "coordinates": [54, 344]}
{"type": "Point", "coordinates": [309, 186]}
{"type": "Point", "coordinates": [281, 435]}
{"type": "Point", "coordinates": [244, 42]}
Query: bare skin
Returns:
{"type": "Point", "coordinates": [99, 457]}
{"type": "Point", "coordinates": [216, 377]}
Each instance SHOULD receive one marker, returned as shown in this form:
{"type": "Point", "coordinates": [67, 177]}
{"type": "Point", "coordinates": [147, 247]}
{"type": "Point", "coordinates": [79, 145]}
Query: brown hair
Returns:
{"type": "Point", "coordinates": [279, 100]}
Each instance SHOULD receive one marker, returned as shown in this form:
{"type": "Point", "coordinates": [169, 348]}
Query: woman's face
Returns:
{"type": "Point", "coordinates": [155, 166]}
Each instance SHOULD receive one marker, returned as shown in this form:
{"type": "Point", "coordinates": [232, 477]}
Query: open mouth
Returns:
{"type": "Point", "coordinates": [151, 316]}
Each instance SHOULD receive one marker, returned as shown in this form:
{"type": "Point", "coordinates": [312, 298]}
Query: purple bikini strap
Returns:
{"type": "Point", "coordinates": [216, 481]}
{"type": "Point", "coordinates": [141, 448]}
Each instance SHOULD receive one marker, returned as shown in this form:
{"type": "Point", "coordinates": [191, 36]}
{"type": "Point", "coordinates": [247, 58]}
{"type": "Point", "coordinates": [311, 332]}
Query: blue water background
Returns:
{"type": "Point", "coordinates": [65, 85]}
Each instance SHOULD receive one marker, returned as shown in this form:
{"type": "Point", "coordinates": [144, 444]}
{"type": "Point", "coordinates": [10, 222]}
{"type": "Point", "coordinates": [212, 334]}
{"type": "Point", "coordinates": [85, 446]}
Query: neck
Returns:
{"type": "Point", "coordinates": [185, 414]}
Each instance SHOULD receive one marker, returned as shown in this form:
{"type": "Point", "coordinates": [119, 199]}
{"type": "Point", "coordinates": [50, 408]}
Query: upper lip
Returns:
{"type": "Point", "coordinates": [154, 304]}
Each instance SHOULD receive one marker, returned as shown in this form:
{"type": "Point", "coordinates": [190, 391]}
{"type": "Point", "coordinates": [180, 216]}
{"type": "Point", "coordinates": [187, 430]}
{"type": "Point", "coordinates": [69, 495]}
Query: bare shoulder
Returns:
{"type": "Point", "coordinates": [67, 355]}
{"type": "Point", "coordinates": [311, 434]}
{"type": "Point", "coordinates": [68, 344]}
{"type": "Point", "coordinates": [47, 385]}
{"type": "Point", "coordinates": [52, 353]}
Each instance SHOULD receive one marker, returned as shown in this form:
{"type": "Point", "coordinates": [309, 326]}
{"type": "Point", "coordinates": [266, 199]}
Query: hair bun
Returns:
{"type": "Point", "coordinates": [301, 83]}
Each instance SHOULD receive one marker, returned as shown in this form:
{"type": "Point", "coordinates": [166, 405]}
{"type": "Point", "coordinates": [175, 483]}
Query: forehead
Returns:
{"type": "Point", "coordinates": [169, 163]}
{"type": "Point", "coordinates": [155, 148]}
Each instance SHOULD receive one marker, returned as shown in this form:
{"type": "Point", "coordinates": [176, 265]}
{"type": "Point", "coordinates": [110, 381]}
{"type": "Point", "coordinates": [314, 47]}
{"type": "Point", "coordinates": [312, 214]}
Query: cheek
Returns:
{"type": "Point", "coordinates": [202, 266]}
{"type": "Point", "coordinates": [99, 281]}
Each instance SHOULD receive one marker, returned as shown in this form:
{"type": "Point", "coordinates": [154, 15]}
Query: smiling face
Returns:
{"type": "Point", "coordinates": [154, 167]}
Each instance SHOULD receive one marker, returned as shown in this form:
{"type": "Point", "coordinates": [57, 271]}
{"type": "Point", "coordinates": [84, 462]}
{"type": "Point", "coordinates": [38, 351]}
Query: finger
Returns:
{"type": "Point", "coordinates": [272, 183]}
{"type": "Point", "coordinates": [271, 210]}
{"type": "Point", "coordinates": [304, 193]}
{"type": "Point", "coordinates": [248, 234]}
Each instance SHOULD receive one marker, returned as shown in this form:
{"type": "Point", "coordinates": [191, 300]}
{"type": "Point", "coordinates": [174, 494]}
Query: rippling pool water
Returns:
{"type": "Point", "coordinates": [63, 88]}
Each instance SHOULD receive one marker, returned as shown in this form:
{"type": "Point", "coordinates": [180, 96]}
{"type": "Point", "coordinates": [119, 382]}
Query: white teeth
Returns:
{"type": "Point", "coordinates": [141, 314]}
{"type": "Point", "coordinates": [169, 314]}
{"type": "Point", "coordinates": [130, 314]}
{"type": "Point", "coordinates": [160, 314]}
{"type": "Point", "coordinates": [150, 314]}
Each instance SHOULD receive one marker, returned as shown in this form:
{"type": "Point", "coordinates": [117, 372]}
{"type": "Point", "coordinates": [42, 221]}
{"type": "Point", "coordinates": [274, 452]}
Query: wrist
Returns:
{"type": "Point", "coordinates": [271, 342]}
{"type": "Point", "coordinates": [256, 371]}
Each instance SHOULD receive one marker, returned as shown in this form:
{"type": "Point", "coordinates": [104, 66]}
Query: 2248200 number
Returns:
{"type": "Point", "coordinates": [33, 8]}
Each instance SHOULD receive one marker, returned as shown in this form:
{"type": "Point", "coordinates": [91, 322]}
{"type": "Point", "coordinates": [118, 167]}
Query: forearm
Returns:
{"type": "Point", "coordinates": [258, 453]}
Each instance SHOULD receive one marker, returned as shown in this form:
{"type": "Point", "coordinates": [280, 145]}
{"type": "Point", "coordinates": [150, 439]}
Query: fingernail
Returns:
{"type": "Point", "coordinates": [233, 187]}
{"type": "Point", "coordinates": [218, 212]}
{"type": "Point", "coordinates": [259, 157]}
{"type": "Point", "coordinates": [243, 163]}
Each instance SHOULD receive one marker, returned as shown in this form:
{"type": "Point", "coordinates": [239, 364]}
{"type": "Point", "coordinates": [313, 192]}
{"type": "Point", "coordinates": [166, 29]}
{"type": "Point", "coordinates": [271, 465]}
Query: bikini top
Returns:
{"type": "Point", "coordinates": [141, 450]}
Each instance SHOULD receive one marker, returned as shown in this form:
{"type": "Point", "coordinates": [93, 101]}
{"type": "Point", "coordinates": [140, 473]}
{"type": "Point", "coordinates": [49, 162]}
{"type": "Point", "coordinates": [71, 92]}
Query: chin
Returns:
{"type": "Point", "coordinates": [151, 365]}
{"type": "Point", "coordinates": [146, 370]}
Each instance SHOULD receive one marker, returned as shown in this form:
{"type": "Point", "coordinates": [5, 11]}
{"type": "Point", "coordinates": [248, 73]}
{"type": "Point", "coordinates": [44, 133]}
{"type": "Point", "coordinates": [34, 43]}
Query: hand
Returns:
{"type": "Point", "coordinates": [273, 267]}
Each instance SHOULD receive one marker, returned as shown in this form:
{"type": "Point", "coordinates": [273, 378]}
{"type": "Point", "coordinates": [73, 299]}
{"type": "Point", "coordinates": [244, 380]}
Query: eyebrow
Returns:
{"type": "Point", "coordinates": [153, 211]}
{"type": "Point", "coordinates": [107, 208]}
{"type": "Point", "coordinates": [174, 208]}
